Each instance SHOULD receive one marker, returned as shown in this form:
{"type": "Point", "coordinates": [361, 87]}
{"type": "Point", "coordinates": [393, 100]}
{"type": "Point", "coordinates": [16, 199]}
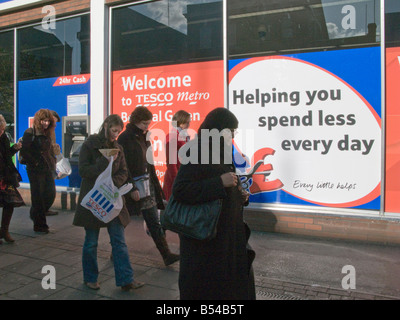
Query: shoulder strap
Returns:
{"type": "Point", "coordinates": [33, 132]}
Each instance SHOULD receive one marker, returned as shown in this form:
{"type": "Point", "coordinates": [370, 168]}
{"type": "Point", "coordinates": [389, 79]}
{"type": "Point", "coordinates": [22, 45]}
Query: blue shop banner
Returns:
{"type": "Point", "coordinates": [68, 96]}
{"type": "Point", "coordinates": [310, 126]}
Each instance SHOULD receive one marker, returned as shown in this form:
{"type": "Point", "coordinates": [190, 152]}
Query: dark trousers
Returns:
{"type": "Point", "coordinates": [43, 193]}
{"type": "Point", "coordinates": [153, 223]}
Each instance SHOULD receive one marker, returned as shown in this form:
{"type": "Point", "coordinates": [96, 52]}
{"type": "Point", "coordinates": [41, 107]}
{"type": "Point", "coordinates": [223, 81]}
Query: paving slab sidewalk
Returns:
{"type": "Point", "coordinates": [286, 267]}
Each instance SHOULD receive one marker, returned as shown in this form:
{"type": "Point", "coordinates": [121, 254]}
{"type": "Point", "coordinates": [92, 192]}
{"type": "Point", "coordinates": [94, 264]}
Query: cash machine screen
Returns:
{"type": "Point", "coordinates": [76, 127]}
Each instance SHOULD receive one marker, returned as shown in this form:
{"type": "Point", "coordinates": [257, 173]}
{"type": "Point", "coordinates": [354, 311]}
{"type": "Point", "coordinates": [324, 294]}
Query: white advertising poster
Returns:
{"type": "Point", "coordinates": [319, 139]}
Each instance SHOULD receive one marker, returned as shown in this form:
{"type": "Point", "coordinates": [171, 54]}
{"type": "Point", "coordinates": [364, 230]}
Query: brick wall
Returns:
{"type": "Point", "coordinates": [34, 14]}
{"type": "Point", "coordinates": [345, 227]}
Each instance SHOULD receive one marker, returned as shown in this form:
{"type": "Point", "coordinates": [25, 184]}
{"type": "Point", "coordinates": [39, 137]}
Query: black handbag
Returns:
{"type": "Point", "coordinates": [198, 221]}
{"type": "Point", "coordinates": [21, 159]}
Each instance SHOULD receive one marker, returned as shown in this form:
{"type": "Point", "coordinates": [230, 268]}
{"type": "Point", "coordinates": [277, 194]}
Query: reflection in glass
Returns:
{"type": "Point", "coordinates": [259, 27]}
{"type": "Point", "coordinates": [392, 20]}
{"type": "Point", "coordinates": [45, 53]}
{"type": "Point", "coordinates": [7, 79]}
{"type": "Point", "coordinates": [166, 32]}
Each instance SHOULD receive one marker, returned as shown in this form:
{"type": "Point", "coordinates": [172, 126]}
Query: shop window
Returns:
{"type": "Point", "coordinates": [7, 78]}
{"type": "Point", "coordinates": [261, 27]}
{"type": "Point", "coordinates": [64, 50]}
{"type": "Point", "coordinates": [166, 32]}
{"type": "Point", "coordinates": [392, 20]}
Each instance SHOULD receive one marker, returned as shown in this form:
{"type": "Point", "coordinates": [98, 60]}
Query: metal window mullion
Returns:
{"type": "Point", "coordinates": [383, 108]}
{"type": "Point", "coordinates": [110, 71]}
{"type": "Point", "coordinates": [225, 50]}
{"type": "Point", "coordinates": [15, 83]}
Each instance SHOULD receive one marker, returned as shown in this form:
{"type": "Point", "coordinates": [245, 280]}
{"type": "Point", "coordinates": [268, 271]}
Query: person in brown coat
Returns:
{"type": "Point", "coordinates": [91, 164]}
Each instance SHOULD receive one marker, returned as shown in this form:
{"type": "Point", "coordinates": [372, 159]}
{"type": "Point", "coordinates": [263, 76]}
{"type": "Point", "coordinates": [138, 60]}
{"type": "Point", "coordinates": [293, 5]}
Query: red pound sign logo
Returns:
{"type": "Point", "coordinates": [260, 183]}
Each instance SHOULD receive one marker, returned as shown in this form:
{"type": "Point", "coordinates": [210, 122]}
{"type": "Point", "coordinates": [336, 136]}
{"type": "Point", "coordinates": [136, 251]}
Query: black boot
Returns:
{"type": "Point", "coordinates": [167, 255]}
{"type": "Point", "coordinates": [5, 222]}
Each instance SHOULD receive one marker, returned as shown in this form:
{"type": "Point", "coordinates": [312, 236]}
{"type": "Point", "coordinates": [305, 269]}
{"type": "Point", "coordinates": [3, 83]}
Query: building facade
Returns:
{"type": "Point", "coordinates": [312, 82]}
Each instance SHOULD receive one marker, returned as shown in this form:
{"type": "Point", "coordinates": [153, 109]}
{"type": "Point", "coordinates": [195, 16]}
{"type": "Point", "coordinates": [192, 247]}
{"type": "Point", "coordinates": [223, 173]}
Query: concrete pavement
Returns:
{"type": "Point", "coordinates": [286, 267]}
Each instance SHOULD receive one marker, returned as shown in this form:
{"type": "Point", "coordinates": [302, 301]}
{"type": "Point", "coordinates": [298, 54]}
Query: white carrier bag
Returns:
{"type": "Point", "coordinates": [63, 167]}
{"type": "Point", "coordinates": [105, 199]}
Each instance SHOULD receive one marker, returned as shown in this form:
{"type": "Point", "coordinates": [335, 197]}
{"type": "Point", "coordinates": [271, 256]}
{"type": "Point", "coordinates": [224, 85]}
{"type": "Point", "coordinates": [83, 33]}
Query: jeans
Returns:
{"type": "Point", "coordinates": [122, 266]}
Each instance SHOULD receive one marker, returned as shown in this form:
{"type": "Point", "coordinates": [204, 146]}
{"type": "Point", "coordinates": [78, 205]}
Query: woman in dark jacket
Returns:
{"type": "Point", "coordinates": [39, 152]}
{"type": "Point", "coordinates": [9, 181]}
{"type": "Point", "coordinates": [91, 164]}
{"type": "Point", "coordinates": [219, 269]}
{"type": "Point", "coordinates": [137, 148]}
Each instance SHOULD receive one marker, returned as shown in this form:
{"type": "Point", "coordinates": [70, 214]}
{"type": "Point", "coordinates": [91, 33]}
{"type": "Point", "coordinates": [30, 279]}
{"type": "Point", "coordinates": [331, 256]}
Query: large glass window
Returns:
{"type": "Point", "coordinates": [167, 56]}
{"type": "Point", "coordinates": [296, 68]}
{"type": "Point", "coordinates": [7, 78]}
{"type": "Point", "coordinates": [64, 50]}
{"type": "Point", "coordinates": [166, 32]}
{"type": "Point", "coordinates": [392, 21]}
{"type": "Point", "coordinates": [259, 27]}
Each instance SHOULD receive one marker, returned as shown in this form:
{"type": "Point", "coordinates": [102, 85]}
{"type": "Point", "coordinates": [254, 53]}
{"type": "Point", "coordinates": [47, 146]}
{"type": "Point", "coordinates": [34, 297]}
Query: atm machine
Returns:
{"type": "Point", "coordinates": [75, 130]}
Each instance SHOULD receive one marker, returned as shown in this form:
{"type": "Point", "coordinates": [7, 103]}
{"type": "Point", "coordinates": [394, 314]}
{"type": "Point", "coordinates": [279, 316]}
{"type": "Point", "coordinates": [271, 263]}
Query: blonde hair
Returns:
{"type": "Point", "coordinates": [181, 117]}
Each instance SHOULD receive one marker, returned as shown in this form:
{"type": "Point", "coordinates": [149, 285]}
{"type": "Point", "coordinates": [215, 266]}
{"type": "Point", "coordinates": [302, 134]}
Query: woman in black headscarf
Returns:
{"type": "Point", "coordinates": [219, 269]}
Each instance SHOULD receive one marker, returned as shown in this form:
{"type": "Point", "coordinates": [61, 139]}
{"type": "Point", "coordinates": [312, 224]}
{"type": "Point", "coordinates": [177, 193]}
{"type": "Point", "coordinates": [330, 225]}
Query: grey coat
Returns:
{"type": "Point", "coordinates": [91, 164]}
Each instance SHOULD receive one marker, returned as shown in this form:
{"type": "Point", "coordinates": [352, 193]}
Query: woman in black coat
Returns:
{"type": "Point", "coordinates": [137, 148]}
{"type": "Point", "coordinates": [219, 269]}
{"type": "Point", "coordinates": [9, 181]}
{"type": "Point", "coordinates": [39, 151]}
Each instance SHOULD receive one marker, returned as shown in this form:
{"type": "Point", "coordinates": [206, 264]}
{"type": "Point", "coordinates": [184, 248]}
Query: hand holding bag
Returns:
{"type": "Point", "coordinates": [142, 183]}
{"type": "Point", "coordinates": [104, 200]}
{"type": "Point", "coordinates": [197, 221]}
{"type": "Point", "coordinates": [63, 167]}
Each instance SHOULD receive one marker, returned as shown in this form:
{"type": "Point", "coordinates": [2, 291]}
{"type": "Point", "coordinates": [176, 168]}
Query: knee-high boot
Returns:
{"type": "Point", "coordinates": [5, 222]}
{"type": "Point", "coordinates": [167, 255]}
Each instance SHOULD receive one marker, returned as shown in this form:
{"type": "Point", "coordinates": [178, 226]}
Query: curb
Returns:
{"type": "Point", "coordinates": [274, 289]}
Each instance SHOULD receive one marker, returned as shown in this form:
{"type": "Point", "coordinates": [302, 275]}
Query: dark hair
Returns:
{"type": "Point", "coordinates": [181, 117]}
{"type": "Point", "coordinates": [110, 121]}
{"type": "Point", "coordinates": [56, 116]}
{"type": "Point", "coordinates": [140, 114]}
{"type": "Point", "coordinates": [219, 118]}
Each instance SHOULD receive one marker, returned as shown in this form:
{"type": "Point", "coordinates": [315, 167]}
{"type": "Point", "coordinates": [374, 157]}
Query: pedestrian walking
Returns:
{"type": "Point", "coordinates": [91, 164]}
{"type": "Point", "coordinates": [39, 151]}
{"type": "Point", "coordinates": [9, 181]}
{"type": "Point", "coordinates": [219, 268]}
{"type": "Point", "coordinates": [176, 138]}
{"type": "Point", "coordinates": [136, 147]}
{"type": "Point", "coordinates": [57, 151]}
